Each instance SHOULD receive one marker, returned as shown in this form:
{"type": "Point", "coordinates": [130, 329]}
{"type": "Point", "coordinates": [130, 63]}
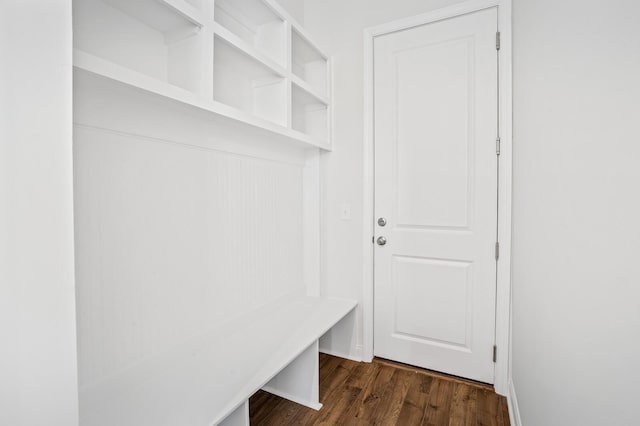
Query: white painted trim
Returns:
{"type": "Point", "coordinates": [368, 200]}
{"type": "Point", "coordinates": [357, 357]}
{"type": "Point", "coordinates": [503, 296]}
{"type": "Point", "coordinates": [512, 402]}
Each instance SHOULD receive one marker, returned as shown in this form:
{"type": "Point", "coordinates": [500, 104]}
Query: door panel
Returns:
{"type": "Point", "coordinates": [432, 300]}
{"type": "Point", "coordinates": [436, 184]}
{"type": "Point", "coordinates": [422, 199]}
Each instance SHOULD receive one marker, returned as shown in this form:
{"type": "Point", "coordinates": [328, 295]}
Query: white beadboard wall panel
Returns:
{"type": "Point", "coordinates": [172, 239]}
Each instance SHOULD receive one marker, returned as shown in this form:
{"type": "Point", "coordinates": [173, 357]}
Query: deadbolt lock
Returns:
{"type": "Point", "coordinates": [382, 221]}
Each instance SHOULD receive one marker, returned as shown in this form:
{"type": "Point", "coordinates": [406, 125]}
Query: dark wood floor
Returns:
{"type": "Point", "coordinates": [385, 393]}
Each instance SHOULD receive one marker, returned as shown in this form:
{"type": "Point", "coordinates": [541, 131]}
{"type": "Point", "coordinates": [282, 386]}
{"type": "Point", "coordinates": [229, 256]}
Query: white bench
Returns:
{"type": "Point", "coordinates": [208, 380]}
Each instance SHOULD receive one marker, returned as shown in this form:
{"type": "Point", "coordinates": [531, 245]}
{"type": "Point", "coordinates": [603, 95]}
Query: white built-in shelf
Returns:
{"type": "Point", "coordinates": [249, 85]}
{"type": "Point", "coordinates": [309, 63]}
{"type": "Point", "coordinates": [174, 18]}
{"type": "Point", "coordinates": [229, 57]}
{"type": "Point", "coordinates": [249, 50]}
{"type": "Point", "coordinates": [310, 114]}
{"type": "Point", "coordinates": [311, 91]}
{"type": "Point", "coordinates": [93, 67]}
{"type": "Point", "coordinates": [256, 23]}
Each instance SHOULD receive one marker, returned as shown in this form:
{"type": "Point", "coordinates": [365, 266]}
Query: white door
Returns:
{"type": "Point", "coordinates": [436, 188]}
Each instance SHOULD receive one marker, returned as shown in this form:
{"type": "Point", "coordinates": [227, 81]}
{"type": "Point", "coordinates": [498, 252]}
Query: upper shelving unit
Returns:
{"type": "Point", "coordinates": [244, 59]}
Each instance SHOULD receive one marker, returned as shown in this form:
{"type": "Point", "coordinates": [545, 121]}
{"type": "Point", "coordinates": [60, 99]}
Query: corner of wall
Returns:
{"type": "Point", "coordinates": [295, 8]}
{"type": "Point", "coordinates": [512, 402]}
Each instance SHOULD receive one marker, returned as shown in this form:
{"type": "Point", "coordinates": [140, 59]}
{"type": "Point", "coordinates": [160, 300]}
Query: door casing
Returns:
{"type": "Point", "coordinates": [503, 290]}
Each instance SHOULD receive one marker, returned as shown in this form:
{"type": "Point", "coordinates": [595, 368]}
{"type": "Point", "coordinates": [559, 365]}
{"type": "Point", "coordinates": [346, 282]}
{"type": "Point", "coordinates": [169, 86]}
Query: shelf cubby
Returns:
{"type": "Point", "coordinates": [256, 23]}
{"type": "Point", "coordinates": [309, 113]}
{"type": "Point", "coordinates": [158, 38]}
{"type": "Point", "coordinates": [171, 17]}
{"type": "Point", "coordinates": [245, 83]}
{"type": "Point", "coordinates": [247, 61]}
{"type": "Point", "coordinates": [308, 63]}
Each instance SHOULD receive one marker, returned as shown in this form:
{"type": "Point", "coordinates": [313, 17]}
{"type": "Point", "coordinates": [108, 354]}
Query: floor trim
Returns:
{"type": "Point", "coordinates": [512, 402]}
{"type": "Point", "coordinates": [357, 357]}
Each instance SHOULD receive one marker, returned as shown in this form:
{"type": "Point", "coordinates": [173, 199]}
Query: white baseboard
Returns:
{"type": "Point", "coordinates": [356, 356]}
{"type": "Point", "coordinates": [512, 401]}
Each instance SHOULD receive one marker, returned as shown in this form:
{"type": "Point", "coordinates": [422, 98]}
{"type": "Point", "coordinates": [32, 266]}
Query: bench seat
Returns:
{"type": "Point", "coordinates": [209, 379]}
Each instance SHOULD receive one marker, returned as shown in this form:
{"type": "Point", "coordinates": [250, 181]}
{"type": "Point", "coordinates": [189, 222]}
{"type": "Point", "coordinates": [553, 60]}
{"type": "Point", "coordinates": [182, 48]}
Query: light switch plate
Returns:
{"type": "Point", "coordinates": [345, 211]}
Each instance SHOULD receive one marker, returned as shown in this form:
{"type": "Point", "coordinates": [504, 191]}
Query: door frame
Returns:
{"type": "Point", "coordinates": [503, 290]}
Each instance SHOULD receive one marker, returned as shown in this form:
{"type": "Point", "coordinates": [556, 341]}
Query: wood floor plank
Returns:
{"type": "Point", "coordinates": [265, 409]}
{"type": "Point", "coordinates": [343, 396]}
{"type": "Point", "coordinates": [435, 374]}
{"type": "Point", "coordinates": [385, 393]}
{"type": "Point", "coordinates": [505, 411]}
{"type": "Point", "coordinates": [463, 406]}
{"type": "Point", "coordinates": [326, 373]}
{"type": "Point", "coordinates": [369, 373]}
{"type": "Point", "coordinates": [439, 406]}
{"type": "Point", "coordinates": [488, 403]}
{"type": "Point", "coordinates": [415, 402]}
{"type": "Point", "coordinates": [388, 412]}
{"type": "Point", "coordinates": [283, 410]}
{"type": "Point", "coordinates": [373, 393]}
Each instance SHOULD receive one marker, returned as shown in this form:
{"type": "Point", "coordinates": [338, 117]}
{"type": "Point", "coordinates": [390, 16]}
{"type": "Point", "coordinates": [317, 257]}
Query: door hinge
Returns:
{"type": "Point", "coordinates": [498, 40]}
{"type": "Point", "coordinates": [497, 250]}
{"type": "Point", "coordinates": [498, 145]}
{"type": "Point", "coordinates": [495, 353]}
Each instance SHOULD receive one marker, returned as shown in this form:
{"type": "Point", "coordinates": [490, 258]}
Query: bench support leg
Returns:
{"type": "Point", "coordinates": [299, 381]}
{"type": "Point", "coordinates": [240, 417]}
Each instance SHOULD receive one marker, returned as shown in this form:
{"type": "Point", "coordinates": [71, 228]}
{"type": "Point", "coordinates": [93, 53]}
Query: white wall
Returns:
{"type": "Point", "coordinates": [576, 292]}
{"type": "Point", "coordinates": [37, 311]}
{"type": "Point", "coordinates": [295, 9]}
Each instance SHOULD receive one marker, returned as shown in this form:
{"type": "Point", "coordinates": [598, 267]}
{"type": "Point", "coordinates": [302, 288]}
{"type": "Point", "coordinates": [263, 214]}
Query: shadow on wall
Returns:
{"type": "Point", "coordinates": [338, 341]}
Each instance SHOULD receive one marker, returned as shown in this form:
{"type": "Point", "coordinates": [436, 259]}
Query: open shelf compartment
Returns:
{"type": "Point", "coordinates": [158, 38]}
{"type": "Point", "coordinates": [308, 63]}
{"type": "Point", "coordinates": [171, 17]}
{"type": "Point", "coordinates": [309, 114]}
{"type": "Point", "coordinates": [256, 23]}
{"type": "Point", "coordinates": [244, 83]}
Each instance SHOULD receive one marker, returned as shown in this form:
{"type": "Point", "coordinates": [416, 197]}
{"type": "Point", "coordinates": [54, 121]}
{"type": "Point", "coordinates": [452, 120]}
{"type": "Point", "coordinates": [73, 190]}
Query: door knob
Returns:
{"type": "Point", "coordinates": [381, 241]}
{"type": "Point", "coordinates": [382, 221]}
